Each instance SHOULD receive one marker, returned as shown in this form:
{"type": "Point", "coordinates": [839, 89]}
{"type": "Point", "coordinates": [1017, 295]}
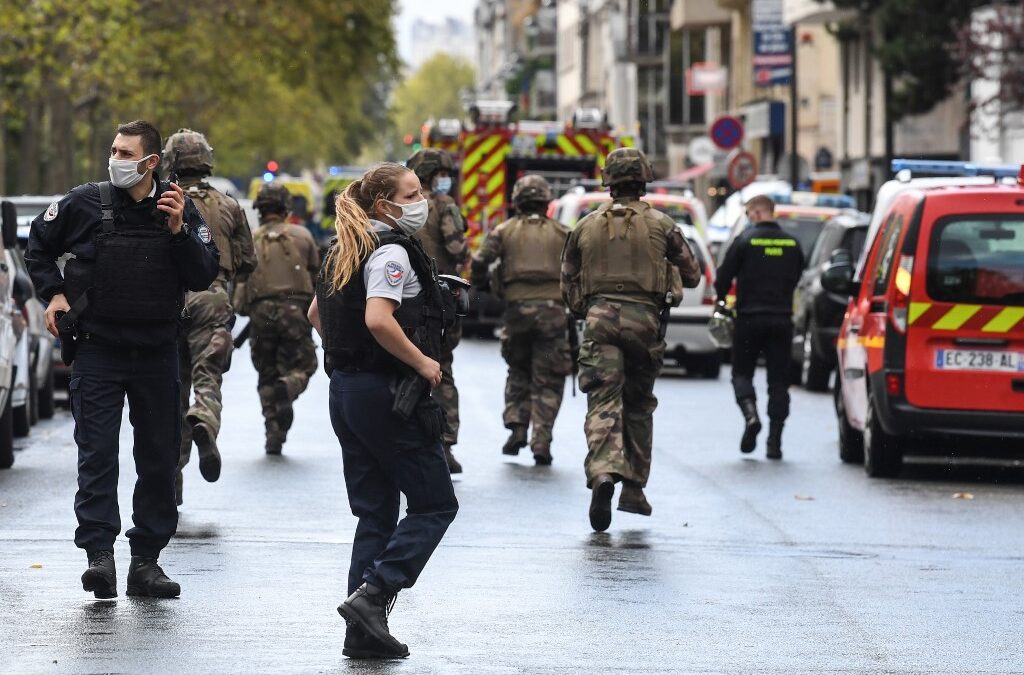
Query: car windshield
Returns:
{"type": "Point", "coordinates": [27, 212]}
{"type": "Point", "coordinates": [804, 229]}
{"type": "Point", "coordinates": [977, 260]}
{"type": "Point", "coordinates": [853, 241]}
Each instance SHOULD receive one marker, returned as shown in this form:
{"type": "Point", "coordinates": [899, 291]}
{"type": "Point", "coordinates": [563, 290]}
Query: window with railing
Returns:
{"type": "Point", "coordinates": [648, 27]}
{"type": "Point", "coordinates": [685, 48]}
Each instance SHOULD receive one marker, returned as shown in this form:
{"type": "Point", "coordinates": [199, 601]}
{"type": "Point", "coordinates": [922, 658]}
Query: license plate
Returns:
{"type": "Point", "coordinates": [977, 359]}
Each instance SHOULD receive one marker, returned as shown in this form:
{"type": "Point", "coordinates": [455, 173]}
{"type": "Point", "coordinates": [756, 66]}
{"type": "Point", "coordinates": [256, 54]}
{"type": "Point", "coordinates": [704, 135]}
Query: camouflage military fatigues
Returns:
{"type": "Point", "coordinates": [278, 294]}
{"type": "Point", "coordinates": [534, 340]}
{"type": "Point", "coordinates": [443, 238]}
{"type": "Point", "coordinates": [622, 350]}
{"type": "Point", "coordinates": [205, 347]}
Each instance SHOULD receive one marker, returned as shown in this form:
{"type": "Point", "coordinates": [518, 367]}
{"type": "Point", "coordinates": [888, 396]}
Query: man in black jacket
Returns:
{"type": "Point", "coordinates": [138, 245]}
{"type": "Point", "coordinates": [766, 264]}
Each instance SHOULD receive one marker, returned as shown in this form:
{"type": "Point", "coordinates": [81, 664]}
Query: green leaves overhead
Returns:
{"type": "Point", "coordinates": [301, 82]}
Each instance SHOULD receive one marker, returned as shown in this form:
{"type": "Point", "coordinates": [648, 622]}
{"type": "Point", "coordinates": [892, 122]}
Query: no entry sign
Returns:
{"type": "Point", "coordinates": [727, 132]}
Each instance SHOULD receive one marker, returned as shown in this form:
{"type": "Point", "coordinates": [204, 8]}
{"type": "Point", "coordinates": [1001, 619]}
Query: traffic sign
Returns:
{"type": "Point", "coordinates": [701, 150]}
{"type": "Point", "coordinates": [727, 132]}
{"type": "Point", "coordinates": [742, 170]}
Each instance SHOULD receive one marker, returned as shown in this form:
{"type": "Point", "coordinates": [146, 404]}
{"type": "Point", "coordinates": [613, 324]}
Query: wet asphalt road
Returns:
{"type": "Point", "coordinates": [745, 567]}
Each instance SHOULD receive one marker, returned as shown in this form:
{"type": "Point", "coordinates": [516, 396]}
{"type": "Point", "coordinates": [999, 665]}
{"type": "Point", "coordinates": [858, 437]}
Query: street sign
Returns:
{"type": "Point", "coordinates": [706, 78]}
{"type": "Point", "coordinates": [701, 150]}
{"type": "Point", "coordinates": [727, 132]}
{"type": "Point", "coordinates": [773, 44]}
{"type": "Point", "coordinates": [742, 170]}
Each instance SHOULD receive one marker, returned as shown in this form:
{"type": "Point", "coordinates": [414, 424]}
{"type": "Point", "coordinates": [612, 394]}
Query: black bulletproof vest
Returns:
{"type": "Point", "coordinates": [348, 343]}
{"type": "Point", "coordinates": [133, 278]}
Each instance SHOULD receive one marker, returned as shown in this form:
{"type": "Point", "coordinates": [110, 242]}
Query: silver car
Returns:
{"type": "Point", "coordinates": [687, 339]}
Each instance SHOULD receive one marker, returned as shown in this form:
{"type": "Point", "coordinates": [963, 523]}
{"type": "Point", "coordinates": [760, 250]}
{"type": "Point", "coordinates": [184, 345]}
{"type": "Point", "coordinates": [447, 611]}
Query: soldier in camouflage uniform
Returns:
{"type": "Point", "coordinates": [443, 238]}
{"type": "Point", "coordinates": [534, 340]}
{"type": "Point", "coordinates": [276, 297]}
{"type": "Point", "coordinates": [205, 346]}
{"type": "Point", "coordinates": [622, 267]}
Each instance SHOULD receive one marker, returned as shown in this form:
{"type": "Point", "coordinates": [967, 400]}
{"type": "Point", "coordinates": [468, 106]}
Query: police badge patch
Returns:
{"type": "Point", "coordinates": [394, 272]}
{"type": "Point", "coordinates": [51, 212]}
{"type": "Point", "coordinates": [204, 233]}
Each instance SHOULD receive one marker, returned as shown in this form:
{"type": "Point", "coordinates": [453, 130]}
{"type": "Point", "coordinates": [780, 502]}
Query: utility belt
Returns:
{"type": "Point", "coordinates": [302, 302]}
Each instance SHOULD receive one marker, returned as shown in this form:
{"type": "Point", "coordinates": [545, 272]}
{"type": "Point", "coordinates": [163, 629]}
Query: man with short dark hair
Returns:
{"type": "Point", "coordinates": [766, 264]}
{"type": "Point", "coordinates": [138, 245]}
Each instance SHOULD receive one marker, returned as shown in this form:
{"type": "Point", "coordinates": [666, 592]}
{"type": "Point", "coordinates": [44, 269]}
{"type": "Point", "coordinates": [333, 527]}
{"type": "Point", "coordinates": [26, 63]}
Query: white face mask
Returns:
{"type": "Point", "coordinates": [414, 216]}
{"type": "Point", "coordinates": [443, 185]}
{"type": "Point", "coordinates": [124, 173]}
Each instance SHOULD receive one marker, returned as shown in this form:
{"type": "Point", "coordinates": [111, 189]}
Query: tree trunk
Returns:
{"type": "Point", "coordinates": [59, 173]}
{"type": "Point", "coordinates": [28, 156]}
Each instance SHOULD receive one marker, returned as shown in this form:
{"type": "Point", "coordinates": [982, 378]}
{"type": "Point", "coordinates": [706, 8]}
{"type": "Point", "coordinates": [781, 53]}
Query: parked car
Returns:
{"type": "Point", "coordinates": [8, 346]}
{"type": "Point", "coordinates": [33, 395]}
{"type": "Point", "coordinates": [932, 345]}
{"type": "Point", "coordinates": [687, 339]}
{"type": "Point", "coordinates": [817, 313]}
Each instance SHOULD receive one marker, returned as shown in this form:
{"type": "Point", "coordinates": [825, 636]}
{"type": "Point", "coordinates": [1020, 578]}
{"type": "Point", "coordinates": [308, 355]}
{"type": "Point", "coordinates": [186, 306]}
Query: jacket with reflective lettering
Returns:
{"type": "Point", "coordinates": [766, 264]}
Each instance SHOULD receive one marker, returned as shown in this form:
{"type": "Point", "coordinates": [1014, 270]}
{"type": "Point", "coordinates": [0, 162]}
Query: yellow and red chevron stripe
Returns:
{"type": "Point", "coordinates": [985, 318]}
{"type": "Point", "coordinates": [483, 175]}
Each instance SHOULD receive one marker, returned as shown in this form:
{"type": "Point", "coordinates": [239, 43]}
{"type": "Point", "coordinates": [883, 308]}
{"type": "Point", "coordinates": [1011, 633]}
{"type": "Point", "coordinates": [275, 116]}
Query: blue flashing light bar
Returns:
{"type": "Point", "coordinates": [824, 199]}
{"type": "Point", "coordinates": [945, 168]}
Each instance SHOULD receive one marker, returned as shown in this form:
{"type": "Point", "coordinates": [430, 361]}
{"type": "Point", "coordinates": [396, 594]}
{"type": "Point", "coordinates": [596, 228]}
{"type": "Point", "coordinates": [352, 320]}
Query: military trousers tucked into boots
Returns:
{"type": "Point", "coordinates": [204, 352]}
{"type": "Point", "coordinates": [535, 346]}
{"type": "Point", "coordinates": [385, 457]}
{"type": "Point", "coordinates": [446, 393]}
{"type": "Point", "coordinates": [621, 354]}
{"type": "Point", "coordinates": [284, 356]}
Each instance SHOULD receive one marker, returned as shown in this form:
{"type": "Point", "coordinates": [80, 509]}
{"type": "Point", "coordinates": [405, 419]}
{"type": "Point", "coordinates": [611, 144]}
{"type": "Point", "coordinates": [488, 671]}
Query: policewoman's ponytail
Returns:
{"type": "Point", "coordinates": [353, 208]}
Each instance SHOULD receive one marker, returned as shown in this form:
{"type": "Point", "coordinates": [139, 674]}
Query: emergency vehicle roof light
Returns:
{"type": "Point", "coordinates": [491, 112]}
{"type": "Point", "coordinates": [588, 118]}
{"type": "Point", "coordinates": [449, 127]}
{"type": "Point", "coordinates": [963, 169]}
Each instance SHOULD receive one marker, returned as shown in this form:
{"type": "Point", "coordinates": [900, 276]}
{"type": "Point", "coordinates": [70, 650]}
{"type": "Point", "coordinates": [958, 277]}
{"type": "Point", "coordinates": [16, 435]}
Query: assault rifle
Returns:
{"type": "Point", "coordinates": [574, 347]}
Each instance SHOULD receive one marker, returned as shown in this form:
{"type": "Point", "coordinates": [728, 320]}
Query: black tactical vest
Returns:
{"type": "Point", "coordinates": [133, 278]}
{"type": "Point", "coordinates": [348, 343]}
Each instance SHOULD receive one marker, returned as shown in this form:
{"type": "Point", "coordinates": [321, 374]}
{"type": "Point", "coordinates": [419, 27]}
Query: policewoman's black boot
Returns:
{"type": "Point", "coordinates": [753, 425]}
{"type": "Point", "coordinates": [147, 578]}
{"type": "Point", "coordinates": [369, 611]}
{"type": "Point", "coordinates": [101, 577]}
{"type": "Point", "coordinates": [774, 440]}
{"type": "Point", "coordinates": [359, 645]}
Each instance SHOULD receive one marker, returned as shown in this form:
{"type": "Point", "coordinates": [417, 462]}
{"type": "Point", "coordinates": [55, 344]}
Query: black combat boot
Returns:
{"type": "Point", "coordinates": [602, 489]}
{"type": "Point", "coordinates": [101, 577]}
{"type": "Point", "coordinates": [453, 464]}
{"type": "Point", "coordinates": [209, 455]}
{"type": "Point", "coordinates": [753, 425]}
{"type": "Point", "coordinates": [774, 440]}
{"type": "Point", "coordinates": [541, 455]}
{"type": "Point", "coordinates": [359, 645]}
{"type": "Point", "coordinates": [145, 577]}
{"type": "Point", "coordinates": [633, 500]}
{"type": "Point", "coordinates": [369, 611]}
{"type": "Point", "coordinates": [516, 440]}
{"type": "Point", "coordinates": [286, 414]}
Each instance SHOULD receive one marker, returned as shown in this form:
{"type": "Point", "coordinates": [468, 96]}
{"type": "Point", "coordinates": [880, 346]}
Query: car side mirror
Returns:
{"type": "Point", "coordinates": [837, 277]}
{"type": "Point", "coordinates": [9, 213]}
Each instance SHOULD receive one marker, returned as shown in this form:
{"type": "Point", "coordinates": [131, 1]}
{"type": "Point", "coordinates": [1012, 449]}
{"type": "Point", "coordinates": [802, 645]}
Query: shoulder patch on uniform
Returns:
{"type": "Point", "coordinates": [204, 233]}
{"type": "Point", "coordinates": [51, 212]}
{"type": "Point", "coordinates": [394, 272]}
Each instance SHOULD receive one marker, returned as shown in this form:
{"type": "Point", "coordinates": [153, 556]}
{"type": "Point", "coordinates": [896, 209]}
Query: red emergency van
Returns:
{"type": "Point", "coordinates": [931, 350]}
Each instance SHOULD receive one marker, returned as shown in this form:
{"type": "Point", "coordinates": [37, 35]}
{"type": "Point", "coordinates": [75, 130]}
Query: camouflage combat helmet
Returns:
{"type": "Point", "coordinates": [531, 188]}
{"type": "Point", "coordinates": [273, 198]}
{"type": "Point", "coordinates": [188, 151]}
{"type": "Point", "coordinates": [626, 165]}
{"type": "Point", "coordinates": [428, 161]}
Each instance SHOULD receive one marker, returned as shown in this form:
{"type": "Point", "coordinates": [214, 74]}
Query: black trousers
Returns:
{"type": "Point", "coordinates": [771, 335]}
{"type": "Point", "coordinates": [101, 378]}
{"type": "Point", "coordinates": [384, 457]}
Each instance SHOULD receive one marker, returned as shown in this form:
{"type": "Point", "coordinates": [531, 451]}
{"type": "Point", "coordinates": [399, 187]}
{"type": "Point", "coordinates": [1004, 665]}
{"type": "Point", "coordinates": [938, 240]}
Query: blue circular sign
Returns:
{"type": "Point", "coordinates": [727, 132]}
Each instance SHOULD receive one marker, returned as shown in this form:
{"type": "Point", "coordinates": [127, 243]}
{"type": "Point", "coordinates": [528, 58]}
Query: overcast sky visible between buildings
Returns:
{"type": "Point", "coordinates": [430, 10]}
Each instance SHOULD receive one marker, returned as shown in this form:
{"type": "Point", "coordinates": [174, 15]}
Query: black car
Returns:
{"type": "Point", "coordinates": [817, 314]}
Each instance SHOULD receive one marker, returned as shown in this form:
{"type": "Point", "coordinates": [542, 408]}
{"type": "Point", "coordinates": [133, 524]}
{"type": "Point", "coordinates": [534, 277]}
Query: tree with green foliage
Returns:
{"type": "Point", "coordinates": [432, 92]}
{"type": "Point", "coordinates": [302, 83]}
{"type": "Point", "coordinates": [912, 41]}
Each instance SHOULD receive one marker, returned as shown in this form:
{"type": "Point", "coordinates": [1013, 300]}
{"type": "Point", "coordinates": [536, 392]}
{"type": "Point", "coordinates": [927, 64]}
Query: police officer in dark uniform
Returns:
{"type": "Point", "coordinates": [381, 313]}
{"type": "Point", "coordinates": [139, 244]}
{"type": "Point", "coordinates": [766, 264]}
